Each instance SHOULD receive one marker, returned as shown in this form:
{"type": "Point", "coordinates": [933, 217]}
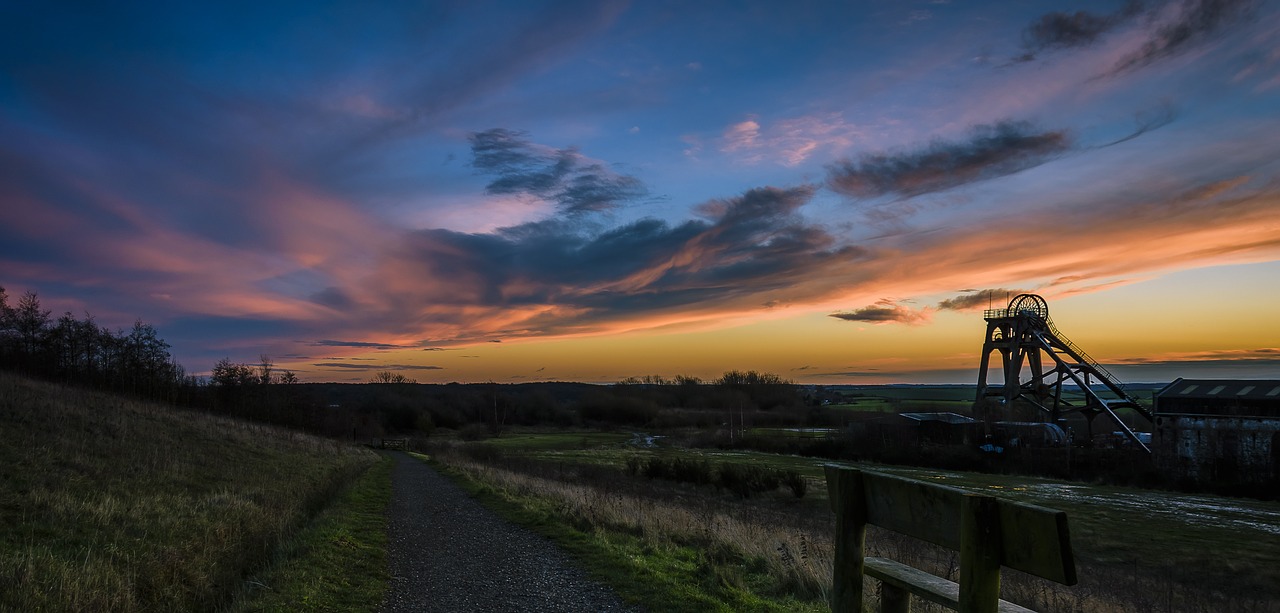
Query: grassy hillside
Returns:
{"type": "Point", "coordinates": [111, 504]}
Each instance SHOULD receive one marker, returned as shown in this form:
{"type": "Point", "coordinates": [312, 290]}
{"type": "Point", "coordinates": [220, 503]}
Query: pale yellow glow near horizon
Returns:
{"type": "Point", "coordinates": [1219, 309]}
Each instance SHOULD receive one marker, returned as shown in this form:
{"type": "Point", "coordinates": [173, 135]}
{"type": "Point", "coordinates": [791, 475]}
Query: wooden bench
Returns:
{"type": "Point", "coordinates": [988, 533]}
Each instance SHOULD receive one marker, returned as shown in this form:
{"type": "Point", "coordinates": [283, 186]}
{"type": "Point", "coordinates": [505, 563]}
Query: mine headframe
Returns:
{"type": "Point", "coordinates": [1024, 335]}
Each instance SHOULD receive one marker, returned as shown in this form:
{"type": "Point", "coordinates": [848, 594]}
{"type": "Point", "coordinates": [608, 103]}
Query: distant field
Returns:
{"type": "Point", "coordinates": [895, 399]}
{"type": "Point", "coordinates": [114, 505]}
{"type": "Point", "coordinates": [1207, 552]}
{"type": "Point", "coordinates": [914, 392]}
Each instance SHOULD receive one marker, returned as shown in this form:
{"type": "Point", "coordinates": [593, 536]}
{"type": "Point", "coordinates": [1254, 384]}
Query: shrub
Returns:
{"type": "Point", "coordinates": [795, 482]}
{"type": "Point", "coordinates": [657, 468]}
{"type": "Point", "coordinates": [634, 463]}
{"type": "Point", "coordinates": [689, 470]}
{"type": "Point", "coordinates": [474, 432]}
{"type": "Point", "coordinates": [746, 480]}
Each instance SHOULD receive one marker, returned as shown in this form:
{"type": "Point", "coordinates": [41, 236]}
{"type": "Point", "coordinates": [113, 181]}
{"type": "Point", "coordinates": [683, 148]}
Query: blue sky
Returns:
{"type": "Point", "coordinates": [601, 186]}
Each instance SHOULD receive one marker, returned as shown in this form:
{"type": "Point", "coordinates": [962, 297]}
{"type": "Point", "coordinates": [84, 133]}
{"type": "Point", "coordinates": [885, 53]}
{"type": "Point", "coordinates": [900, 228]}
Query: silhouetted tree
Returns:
{"type": "Point", "coordinates": [386, 376]}
{"type": "Point", "coordinates": [81, 352]}
{"type": "Point", "coordinates": [30, 322]}
{"type": "Point", "coordinates": [8, 330]}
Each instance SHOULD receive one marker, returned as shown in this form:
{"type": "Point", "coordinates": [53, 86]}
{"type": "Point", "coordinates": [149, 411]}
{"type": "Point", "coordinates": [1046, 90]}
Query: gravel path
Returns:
{"type": "Point", "coordinates": [448, 553]}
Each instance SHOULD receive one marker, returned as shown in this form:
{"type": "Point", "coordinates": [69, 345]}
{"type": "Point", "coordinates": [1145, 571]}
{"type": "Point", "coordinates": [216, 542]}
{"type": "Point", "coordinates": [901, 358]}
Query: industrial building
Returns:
{"type": "Point", "coordinates": [1219, 431]}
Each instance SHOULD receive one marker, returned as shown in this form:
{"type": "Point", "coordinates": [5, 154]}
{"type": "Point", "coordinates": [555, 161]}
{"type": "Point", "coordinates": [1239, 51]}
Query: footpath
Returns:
{"type": "Point", "coordinates": [448, 553]}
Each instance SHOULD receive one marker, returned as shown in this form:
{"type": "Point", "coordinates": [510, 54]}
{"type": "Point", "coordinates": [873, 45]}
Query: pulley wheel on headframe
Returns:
{"type": "Point", "coordinates": [1029, 303]}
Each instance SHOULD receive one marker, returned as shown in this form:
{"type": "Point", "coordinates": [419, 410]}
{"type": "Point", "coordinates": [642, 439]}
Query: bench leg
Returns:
{"type": "Point", "coordinates": [894, 599]}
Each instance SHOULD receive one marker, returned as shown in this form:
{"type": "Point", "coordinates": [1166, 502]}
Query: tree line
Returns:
{"type": "Point", "coordinates": [134, 361]}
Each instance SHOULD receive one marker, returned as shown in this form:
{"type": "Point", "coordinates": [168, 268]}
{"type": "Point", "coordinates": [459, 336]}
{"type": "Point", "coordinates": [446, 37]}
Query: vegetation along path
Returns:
{"type": "Point", "coordinates": [448, 553]}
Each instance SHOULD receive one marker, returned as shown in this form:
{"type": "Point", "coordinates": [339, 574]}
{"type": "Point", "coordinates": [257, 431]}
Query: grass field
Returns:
{"type": "Point", "coordinates": [338, 562]}
{"type": "Point", "coordinates": [110, 504]}
{"type": "Point", "coordinates": [891, 399]}
{"type": "Point", "coordinates": [1137, 549]}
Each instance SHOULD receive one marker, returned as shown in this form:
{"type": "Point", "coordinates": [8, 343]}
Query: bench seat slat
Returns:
{"type": "Point", "coordinates": [924, 585]}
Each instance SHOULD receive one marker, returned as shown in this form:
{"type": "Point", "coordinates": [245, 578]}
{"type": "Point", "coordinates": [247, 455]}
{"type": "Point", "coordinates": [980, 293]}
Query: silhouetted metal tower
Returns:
{"type": "Point", "coordinates": [1024, 335]}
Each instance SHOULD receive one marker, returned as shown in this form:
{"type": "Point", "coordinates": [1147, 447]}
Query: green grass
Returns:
{"type": "Point", "coordinates": [915, 392]}
{"type": "Point", "coordinates": [339, 562]}
{"type": "Point", "coordinates": [865, 405]}
{"type": "Point", "coordinates": [663, 574]}
{"type": "Point", "coordinates": [529, 440]}
{"type": "Point", "coordinates": [111, 504]}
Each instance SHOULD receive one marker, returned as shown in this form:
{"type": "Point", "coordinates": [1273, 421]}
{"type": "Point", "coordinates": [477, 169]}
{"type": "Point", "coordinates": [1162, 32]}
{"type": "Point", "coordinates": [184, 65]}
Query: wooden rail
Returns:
{"type": "Point", "coordinates": [395, 443]}
{"type": "Point", "coordinates": [988, 533]}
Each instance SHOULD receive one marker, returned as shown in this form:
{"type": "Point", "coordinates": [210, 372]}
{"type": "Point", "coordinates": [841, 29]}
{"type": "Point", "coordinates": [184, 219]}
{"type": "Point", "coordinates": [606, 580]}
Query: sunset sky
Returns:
{"type": "Point", "coordinates": [529, 191]}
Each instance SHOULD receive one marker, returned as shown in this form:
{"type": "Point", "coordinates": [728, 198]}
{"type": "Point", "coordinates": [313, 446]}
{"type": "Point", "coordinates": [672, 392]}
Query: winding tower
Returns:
{"type": "Point", "coordinates": [1028, 342]}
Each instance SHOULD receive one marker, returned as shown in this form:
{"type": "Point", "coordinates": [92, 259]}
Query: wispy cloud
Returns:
{"type": "Point", "coordinates": [1260, 356]}
{"type": "Point", "coordinates": [557, 276]}
{"type": "Point", "coordinates": [562, 176]}
{"type": "Point", "coordinates": [990, 151]}
{"type": "Point", "coordinates": [972, 300]}
{"type": "Point", "coordinates": [379, 366]}
{"type": "Point", "coordinates": [1061, 30]}
{"type": "Point", "coordinates": [789, 141]}
{"type": "Point", "coordinates": [357, 344]}
{"type": "Point", "coordinates": [1167, 29]}
{"type": "Point", "coordinates": [887, 311]}
{"type": "Point", "coordinates": [1192, 23]}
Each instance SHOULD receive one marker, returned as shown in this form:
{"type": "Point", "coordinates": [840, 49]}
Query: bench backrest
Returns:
{"type": "Point", "coordinates": [1021, 536]}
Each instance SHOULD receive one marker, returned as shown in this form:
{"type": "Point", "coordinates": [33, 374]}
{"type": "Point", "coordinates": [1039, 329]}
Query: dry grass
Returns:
{"type": "Point", "coordinates": [111, 504]}
{"type": "Point", "coordinates": [794, 541]}
{"type": "Point", "coordinates": [792, 554]}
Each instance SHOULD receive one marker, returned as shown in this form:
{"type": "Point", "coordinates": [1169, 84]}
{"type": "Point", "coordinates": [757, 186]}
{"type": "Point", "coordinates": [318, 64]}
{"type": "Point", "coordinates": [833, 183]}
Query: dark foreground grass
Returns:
{"type": "Point", "coordinates": [339, 562]}
{"type": "Point", "coordinates": [109, 504]}
{"type": "Point", "coordinates": [662, 574]}
{"type": "Point", "coordinates": [1137, 550]}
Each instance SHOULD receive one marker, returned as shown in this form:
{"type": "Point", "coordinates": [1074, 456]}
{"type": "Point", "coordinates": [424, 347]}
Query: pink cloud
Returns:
{"type": "Point", "coordinates": [790, 141]}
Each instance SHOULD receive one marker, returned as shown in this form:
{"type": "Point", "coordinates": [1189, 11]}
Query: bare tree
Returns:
{"type": "Point", "coordinates": [386, 376]}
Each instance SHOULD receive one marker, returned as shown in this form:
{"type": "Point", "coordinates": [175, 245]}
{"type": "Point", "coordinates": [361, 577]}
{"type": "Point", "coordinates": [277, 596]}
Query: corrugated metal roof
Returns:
{"type": "Point", "coordinates": [1222, 388]}
{"type": "Point", "coordinates": [950, 418]}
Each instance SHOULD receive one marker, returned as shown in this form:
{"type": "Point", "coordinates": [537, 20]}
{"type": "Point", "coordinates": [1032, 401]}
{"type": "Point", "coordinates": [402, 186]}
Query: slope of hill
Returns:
{"type": "Point", "coordinates": [113, 504]}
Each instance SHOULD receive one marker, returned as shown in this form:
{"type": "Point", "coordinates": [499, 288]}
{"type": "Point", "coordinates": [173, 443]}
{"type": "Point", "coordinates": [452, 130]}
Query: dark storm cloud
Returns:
{"type": "Point", "coordinates": [991, 151]}
{"type": "Point", "coordinates": [1197, 21]}
{"type": "Point", "coordinates": [980, 299]}
{"type": "Point", "coordinates": [562, 176]}
{"type": "Point", "coordinates": [884, 311]}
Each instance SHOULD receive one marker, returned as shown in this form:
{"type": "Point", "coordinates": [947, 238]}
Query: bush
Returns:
{"type": "Point", "coordinates": [746, 480]}
{"type": "Point", "coordinates": [634, 463]}
{"type": "Point", "coordinates": [474, 432]}
{"type": "Point", "coordinates": [682, 470]}
{"type": "Point", "coordinates": [795, 482]}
